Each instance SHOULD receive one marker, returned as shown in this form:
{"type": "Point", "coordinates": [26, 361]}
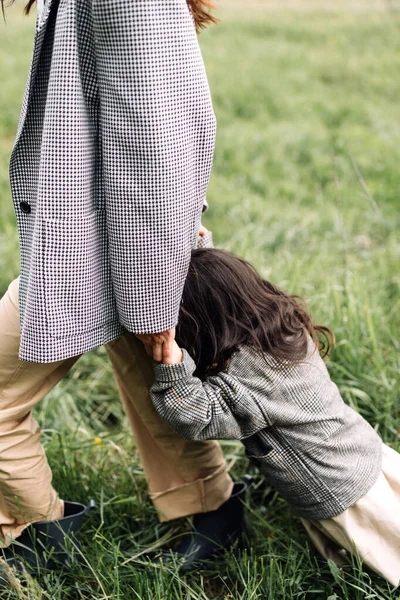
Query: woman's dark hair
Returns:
{"type": "Point", "coordinates": [200, 10]}
{"type": "Point", "coordinates": [226, 304]}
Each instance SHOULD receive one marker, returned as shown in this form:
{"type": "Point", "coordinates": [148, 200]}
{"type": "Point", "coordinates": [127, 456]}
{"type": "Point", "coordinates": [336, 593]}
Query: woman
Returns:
{"type": "Point", "coordinates": [108, 175]}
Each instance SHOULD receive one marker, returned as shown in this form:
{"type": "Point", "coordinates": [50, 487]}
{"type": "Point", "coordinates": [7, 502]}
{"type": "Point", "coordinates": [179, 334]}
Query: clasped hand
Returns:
{"type": "Point", "coordinates": [162, 347]}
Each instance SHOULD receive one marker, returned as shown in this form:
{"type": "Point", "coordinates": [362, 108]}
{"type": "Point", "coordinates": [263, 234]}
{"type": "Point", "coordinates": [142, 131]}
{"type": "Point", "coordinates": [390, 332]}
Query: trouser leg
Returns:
{"type": "Point", "coordinates": [184, 477]}
{"type": "Point", "coordinates": [26, 493]}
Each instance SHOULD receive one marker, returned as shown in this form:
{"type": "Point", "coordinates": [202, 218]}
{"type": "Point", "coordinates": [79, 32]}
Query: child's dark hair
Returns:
{"type": "Point", "coordinates": [226, 304]}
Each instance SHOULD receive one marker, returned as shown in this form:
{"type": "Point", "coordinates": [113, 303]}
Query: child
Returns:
{"type": "Point", "coordinates": [250, 370]}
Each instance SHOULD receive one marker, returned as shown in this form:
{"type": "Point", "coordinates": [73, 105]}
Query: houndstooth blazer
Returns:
{"type": "Point", "coordinates": [109, 171]}
{"type": "Point", "coordinates": [316, 451]}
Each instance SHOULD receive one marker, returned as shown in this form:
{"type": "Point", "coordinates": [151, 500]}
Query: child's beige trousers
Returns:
{"type": "Point", "coordinates": [184, 477]}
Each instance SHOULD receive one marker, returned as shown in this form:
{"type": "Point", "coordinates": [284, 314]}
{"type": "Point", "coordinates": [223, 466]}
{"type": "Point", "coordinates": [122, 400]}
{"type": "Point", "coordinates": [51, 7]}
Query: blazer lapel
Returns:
{"type": "Point", "coordinates": [37, 48]}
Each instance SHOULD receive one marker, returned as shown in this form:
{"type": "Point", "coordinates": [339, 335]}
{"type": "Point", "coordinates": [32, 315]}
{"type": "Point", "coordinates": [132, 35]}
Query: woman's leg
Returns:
{"type": "Point", "coordinates": [184, 477]}
{"type": "Point", "coordinates": [26, 493]}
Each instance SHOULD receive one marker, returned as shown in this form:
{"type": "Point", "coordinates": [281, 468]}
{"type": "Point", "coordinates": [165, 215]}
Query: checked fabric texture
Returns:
{"type": "Point", "coordinates": [316, 451]}
{"type": "Point", "coordinates": [109, 172]}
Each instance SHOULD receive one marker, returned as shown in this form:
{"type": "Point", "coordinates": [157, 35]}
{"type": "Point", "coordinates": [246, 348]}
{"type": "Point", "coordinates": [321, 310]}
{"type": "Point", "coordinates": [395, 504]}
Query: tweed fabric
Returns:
{"type": "Point", "coordinates": [109, 172]}
{"type": "Point", "coordinates": [316, 451]}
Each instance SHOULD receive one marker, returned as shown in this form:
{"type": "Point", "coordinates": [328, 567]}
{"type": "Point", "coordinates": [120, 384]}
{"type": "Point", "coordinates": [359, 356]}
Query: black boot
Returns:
{"type": "Point", "coordinates": [213, 531]}
{"type": "Point", "coordinates": [42, 544]}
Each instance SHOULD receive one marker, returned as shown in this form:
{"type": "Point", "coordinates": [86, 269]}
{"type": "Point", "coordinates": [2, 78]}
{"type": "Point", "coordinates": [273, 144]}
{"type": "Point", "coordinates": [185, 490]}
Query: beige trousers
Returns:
{"type": "Point", "coordinates": [370, 528]}
{"type": "Point", "coordinates": [184, 477]}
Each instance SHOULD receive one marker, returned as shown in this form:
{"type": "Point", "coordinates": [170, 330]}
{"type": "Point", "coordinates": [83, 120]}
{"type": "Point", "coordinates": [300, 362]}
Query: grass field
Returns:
{"type": "Point", "coordinates": [306, 185]}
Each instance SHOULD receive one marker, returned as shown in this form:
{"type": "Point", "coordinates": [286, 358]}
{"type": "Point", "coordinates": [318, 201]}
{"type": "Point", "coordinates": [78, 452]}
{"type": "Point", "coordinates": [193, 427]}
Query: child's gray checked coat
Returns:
{"type": "Point", "coordinates": [109, 171]}
{"type": "Point", "coordinates": [314, 449]}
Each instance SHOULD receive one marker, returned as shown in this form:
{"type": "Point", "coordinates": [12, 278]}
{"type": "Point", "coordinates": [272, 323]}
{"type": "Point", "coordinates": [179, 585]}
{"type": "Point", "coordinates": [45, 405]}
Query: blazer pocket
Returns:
{"type": "Point", "coordinates": [78, 293]}
{"type": "Point", "coordinates": [289, 474]}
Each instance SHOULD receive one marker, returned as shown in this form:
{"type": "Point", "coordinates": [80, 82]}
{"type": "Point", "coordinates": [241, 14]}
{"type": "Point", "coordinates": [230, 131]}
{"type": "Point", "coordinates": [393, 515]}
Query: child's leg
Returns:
{"type": "Point", "coordinates": [324, 544]}
{"type": "Point", "coordinates": [26, 493]}
{"type": "Point", "coordinates": [184, 477]}
{"type": "Point", "coordinates": [372, 525]}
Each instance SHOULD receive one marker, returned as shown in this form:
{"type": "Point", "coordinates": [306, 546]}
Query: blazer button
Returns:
{"type": "Point", "coordinates": [25, 207]}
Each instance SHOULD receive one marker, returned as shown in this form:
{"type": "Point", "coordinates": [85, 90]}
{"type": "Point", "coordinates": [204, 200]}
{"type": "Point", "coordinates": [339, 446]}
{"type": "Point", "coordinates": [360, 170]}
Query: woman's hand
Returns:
{"type": "Point", "coordinates": [202, 232]}
{"type": "Point", "coordinates": [162, 347]}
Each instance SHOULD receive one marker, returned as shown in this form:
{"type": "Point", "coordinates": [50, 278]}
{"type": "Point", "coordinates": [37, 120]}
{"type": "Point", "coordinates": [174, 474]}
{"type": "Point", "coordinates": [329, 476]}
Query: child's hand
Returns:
{"type": "Point", "coordinates": [158, 345]}
{"type": "Point", "coordinates": [162, 347]}
{"type": "Point", "coordinates": [175, 357]}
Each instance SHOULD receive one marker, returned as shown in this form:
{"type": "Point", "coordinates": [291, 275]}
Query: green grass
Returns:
{"type": "Point", "coordinates": [306, 185]}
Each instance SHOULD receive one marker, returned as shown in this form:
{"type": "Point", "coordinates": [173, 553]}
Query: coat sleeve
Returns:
{"type": "Point", "coordinates": [157, 129]}
{"type": "Point", "coordinates": [219, 408]}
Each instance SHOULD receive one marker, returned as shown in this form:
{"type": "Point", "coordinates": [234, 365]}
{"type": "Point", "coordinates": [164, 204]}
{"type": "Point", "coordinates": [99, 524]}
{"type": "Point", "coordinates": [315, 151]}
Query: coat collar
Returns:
{"type": "Point", "coordinates": [41, 27]}
{"type": "Point", "coordinates": [43, 14]}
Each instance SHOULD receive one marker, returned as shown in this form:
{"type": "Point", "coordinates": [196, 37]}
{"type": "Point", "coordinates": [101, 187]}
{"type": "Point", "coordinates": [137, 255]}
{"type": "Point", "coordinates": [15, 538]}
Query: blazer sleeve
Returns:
{"type": "Point", "coordinates": [157, 126]}
{"type": "Point", "coordinates": [218, 408]}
